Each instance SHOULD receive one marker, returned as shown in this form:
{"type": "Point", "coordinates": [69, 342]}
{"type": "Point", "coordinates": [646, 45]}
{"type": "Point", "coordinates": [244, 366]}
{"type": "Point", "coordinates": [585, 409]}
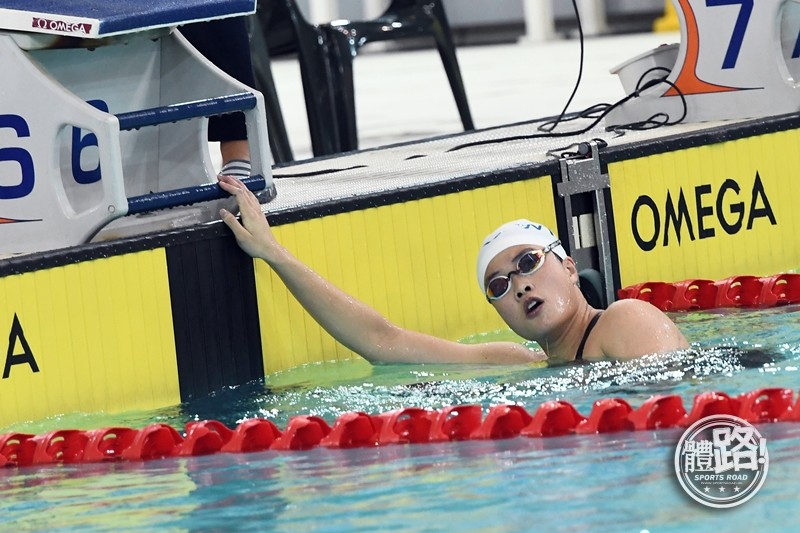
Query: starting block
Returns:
{"type": "Point", "coordinates": [104, 114]}
{"type": "Point", "coordinates": [736, 59]}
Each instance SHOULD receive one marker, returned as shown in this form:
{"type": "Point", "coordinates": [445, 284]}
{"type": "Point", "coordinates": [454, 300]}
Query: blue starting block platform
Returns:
{"type": "Point", "coordinates": [104, 120]}
{"type": "Point", "coordinates": [104, 18]}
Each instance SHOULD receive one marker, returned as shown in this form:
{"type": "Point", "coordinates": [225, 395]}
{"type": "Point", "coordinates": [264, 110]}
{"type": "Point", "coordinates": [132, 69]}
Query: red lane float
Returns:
{"type": "Point", "coordinates": [401, 426]}
{"type": "Point", "coordinates": [736, 291]}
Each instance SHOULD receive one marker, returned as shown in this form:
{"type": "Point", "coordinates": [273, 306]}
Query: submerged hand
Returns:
{"type": "Point", "coordinates": [253, 233]}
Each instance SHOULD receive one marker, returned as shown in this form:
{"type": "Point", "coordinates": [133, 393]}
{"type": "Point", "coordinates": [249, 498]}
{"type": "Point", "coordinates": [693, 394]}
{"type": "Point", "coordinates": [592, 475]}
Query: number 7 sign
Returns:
{"type": "Point", "coordinates": [737, 59]}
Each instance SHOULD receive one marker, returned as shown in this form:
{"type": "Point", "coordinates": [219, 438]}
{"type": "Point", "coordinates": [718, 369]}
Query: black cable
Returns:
{"type": "Point", "coordinates": [597, 111]}
{"type": "Point", "coordinates": [542, 127]}
{"type": "Point", "coordinates": [564, 151]}
{"type": "Point", "coordinates": [654, 120]}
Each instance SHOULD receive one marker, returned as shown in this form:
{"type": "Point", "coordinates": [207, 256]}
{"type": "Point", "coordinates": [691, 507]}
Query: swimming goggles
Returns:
{"type": "Point", "coordinates": [529, 263]}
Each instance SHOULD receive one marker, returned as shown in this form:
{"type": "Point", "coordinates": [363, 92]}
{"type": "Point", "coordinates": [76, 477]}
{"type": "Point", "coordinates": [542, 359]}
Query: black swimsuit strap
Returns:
{"type": "Point", "coordinates": [592, 322]}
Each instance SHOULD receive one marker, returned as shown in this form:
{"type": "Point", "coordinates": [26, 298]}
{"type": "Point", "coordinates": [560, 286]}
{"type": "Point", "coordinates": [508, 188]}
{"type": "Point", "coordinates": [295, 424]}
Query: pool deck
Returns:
{"type": "Point", "coordinates": [404, 95]}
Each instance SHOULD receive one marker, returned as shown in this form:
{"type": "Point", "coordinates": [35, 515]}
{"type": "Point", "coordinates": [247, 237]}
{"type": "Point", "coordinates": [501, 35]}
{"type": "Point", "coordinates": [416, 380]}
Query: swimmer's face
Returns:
{"type": "Point", "coordinates": [539, 303]}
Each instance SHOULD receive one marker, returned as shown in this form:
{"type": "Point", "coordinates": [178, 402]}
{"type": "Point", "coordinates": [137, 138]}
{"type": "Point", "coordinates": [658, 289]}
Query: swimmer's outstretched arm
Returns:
{"type": "Point", "coordinates": [350, 321]}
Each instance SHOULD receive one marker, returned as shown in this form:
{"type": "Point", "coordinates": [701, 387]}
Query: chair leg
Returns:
{"type": "Point", "coordinates": [276, 127]}
{"type": "Point", "coordinates": [447, 51]}
{"type": "Point", "coordinates": [318, 88]}
{"type": "Point", "coordinates": [341, 55]}
{"type": "Point", "coordinates": [294, 34]}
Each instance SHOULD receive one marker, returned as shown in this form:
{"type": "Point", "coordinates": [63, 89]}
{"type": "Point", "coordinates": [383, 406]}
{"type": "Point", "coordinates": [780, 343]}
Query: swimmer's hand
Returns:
{"type": "Point", "coordinates": [253, 232]}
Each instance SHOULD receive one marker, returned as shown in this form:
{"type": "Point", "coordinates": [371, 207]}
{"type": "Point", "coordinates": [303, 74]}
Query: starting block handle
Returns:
{"type": "Point", "coordinates": [186, 196]}
{"type": "Point", "coordinates": [173, 113]}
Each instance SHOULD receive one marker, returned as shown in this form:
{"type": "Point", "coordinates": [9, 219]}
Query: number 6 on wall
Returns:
{"type": "Point", "coordinates": [19, 155]}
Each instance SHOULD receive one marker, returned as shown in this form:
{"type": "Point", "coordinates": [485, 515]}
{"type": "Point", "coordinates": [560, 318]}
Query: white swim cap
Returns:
{"type": "Point", "coordinates": [512, 234]}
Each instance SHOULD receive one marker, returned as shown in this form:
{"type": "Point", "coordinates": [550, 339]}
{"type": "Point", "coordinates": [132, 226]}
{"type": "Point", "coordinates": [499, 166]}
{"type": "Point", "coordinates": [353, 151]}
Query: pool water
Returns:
{"type": "Point", "coordinates": [611, 482]}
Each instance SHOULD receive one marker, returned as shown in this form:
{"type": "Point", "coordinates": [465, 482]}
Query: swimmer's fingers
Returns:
{"type": "Point", "coordinates": [252, 233]}
{"type": "Point", "coordinates": [230, 220]}
{"type": "Point", "coordinates": [249, 207]}
{"type": "Point", "coordinates": [233, 188]}
{"type": "Point", "coordinates": [236, 188]}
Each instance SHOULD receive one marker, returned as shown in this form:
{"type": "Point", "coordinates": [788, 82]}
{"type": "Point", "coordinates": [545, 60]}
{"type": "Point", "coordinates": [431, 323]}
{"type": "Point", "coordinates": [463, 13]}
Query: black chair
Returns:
{"type": "Point", "coordinates": [278, 28]}
{"type": "Point", "coordinates": [326, 54]}
{"type": "Point", "coordinates": [402, 19]}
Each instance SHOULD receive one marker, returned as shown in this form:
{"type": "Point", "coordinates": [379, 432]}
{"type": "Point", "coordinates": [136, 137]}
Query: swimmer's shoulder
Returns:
{"type": "Point", "coordinates": [631, 328]}
{"type": "Point", "coordinates": [631, 311]}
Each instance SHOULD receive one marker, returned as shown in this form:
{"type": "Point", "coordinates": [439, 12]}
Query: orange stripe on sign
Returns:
{"type": "Point", "coordinates": [687, 80]}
